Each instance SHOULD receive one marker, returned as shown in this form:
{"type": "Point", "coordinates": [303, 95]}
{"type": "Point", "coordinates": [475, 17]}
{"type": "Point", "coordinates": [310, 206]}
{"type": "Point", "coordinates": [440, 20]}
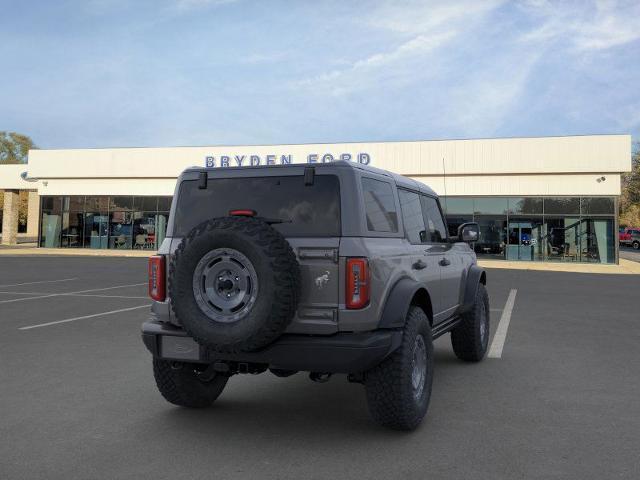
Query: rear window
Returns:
{"type": "Point", "coordinates": [379, 205]}
{"type": "Point", "coordinates": [308, 210]}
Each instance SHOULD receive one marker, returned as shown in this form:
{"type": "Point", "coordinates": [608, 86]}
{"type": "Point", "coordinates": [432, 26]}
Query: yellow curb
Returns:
{"type": "Point", "coordinates": [78, 252]}
{"type": "Point", "coordinates": [626, 267]}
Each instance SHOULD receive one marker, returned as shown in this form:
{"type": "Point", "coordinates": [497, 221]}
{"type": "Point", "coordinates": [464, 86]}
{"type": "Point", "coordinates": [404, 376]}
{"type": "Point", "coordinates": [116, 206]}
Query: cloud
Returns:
{"type": "Point", "coordinates": [605, 25]}
{"type": "Point", "coordinates": [418, 30]}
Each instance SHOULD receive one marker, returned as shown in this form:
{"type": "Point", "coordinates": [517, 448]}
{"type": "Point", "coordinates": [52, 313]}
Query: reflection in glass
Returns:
{"type": "Point", "coordinates": [490, 206]}
{"type": "Point", "coordinates": [562, 238]}
{"type": "Point", "coordinates": [144, 230]}
{"type": "Point", "coordinates": [562, 205]}
{"type": "Point", "coordinates": [120, 230]}
{"type": "Point", "coordinates": [597, 206]}
{"type": "Point", "coordinates": [457, 206]}
{"type": "Point", "coordinates": [96, 230]}
{"type": "Point", "coordinates": [525, 206]}
{"type": "Point", "coordinates": [493, 237]}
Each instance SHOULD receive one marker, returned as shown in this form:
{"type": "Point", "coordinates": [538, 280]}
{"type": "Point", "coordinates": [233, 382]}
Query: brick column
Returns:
{"type": "Point", "coordinates": [10, 217]}
{"type": "Point", "coordinates": [33, 214]}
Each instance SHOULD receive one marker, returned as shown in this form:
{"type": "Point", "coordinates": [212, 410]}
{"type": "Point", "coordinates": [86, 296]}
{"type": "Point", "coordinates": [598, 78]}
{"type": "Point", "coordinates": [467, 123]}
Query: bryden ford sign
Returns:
{"type": "Point", "coordinates": [253, 160]}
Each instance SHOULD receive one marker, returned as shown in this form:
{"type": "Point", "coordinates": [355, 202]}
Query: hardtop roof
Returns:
{"type": "Point", "coordinates": [400, 180]}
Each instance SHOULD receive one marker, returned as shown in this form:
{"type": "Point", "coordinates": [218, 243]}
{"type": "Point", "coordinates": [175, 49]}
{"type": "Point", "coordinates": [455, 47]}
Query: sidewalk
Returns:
{"type": "Point", "coordinates": [78, 252]}
{"type": "Point", "coordinates": [626, 267]}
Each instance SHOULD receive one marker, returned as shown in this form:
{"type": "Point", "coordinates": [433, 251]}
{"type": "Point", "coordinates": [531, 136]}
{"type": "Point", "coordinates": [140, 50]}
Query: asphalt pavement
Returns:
{"type": "Point", "coordinates": [78, 400]}
{"type": "Point", "coordinates": [629, 253]}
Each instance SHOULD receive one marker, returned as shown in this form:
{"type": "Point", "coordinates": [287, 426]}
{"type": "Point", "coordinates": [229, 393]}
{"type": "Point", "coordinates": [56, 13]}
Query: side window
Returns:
{"type": "Point", "coordinates": [379, 205]}
{"type": "Point", "coordinates": [436, 230]}
{"type": "Point", "coordinates": [412, 216]}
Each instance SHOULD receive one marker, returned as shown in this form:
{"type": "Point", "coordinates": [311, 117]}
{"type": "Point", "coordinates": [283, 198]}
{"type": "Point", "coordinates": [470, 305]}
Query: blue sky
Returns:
{"type": "Point", "coordinates": [103, 73]}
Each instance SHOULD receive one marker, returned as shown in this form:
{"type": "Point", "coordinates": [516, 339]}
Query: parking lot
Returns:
{"type": "Point", "coordinates": [78, 400]}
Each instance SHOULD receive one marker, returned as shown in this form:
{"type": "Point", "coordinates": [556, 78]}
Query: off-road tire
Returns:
{"type": "Point", "coordinates": [278, 277]}
{"type": "Point", "coordinates": [469, 342]}
{"type": "Point", "coordinates": [179, 384]}
{"type": "Point", "coordinates": [389, 388]}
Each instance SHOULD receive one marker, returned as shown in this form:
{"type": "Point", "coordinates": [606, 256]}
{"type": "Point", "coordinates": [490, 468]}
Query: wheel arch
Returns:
{"type": "Point", "coordinates": [475, 276]}
{"type": "Point", "coordinates": [403, 294]}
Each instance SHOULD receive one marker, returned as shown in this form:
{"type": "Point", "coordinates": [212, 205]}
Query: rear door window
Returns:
{"type": "Point", "coordinates": [436, 230]}
{"type": "Point", "coordinates": [412, 218]}
{"type": "Point", "coordinates": [305, 210]}
{"type": "Point", "coordinates": [380, 206]}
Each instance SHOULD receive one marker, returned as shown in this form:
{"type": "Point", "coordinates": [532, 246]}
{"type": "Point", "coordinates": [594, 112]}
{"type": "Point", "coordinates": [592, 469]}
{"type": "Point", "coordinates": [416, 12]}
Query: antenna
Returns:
{"type": "Point", "coordinates": [444, 180]}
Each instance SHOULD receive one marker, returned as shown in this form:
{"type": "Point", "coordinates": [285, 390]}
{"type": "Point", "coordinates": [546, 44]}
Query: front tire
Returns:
{"type": "Point", "coordinates": [636, 245]}
{"type": "Point", "coordinates": [179, 384]}
{"type": "Point", "coordinates": [399, 389]}
{"type": "Point", "coordinates": [470, 339]}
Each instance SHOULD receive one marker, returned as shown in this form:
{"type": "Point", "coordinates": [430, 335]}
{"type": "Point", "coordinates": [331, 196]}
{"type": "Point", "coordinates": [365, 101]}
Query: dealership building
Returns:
{"type": "Point", "coordinates": [536, 199]}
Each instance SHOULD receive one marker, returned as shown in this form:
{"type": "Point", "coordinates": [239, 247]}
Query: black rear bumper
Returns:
{"type": "Point", "coordinates": [339, 353]}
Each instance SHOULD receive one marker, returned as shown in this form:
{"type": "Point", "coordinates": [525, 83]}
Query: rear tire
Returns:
{"type": "Point", "coordinates": [399, 389]}
{"type": "Point", "coordinates": [179, 384]}
{"type": "Point", "coordinates": [636, 245]}
{"type": "Point", "coordinates": [470, 339]}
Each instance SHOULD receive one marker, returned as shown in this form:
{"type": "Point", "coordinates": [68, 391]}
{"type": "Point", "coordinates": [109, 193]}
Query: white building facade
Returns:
{"type": "Point", "coordinates": [536, 199]}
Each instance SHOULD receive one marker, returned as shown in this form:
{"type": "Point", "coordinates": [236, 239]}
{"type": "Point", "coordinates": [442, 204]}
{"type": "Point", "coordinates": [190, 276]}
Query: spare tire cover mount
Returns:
{"type": "Point", "coordinates": [225, 285]}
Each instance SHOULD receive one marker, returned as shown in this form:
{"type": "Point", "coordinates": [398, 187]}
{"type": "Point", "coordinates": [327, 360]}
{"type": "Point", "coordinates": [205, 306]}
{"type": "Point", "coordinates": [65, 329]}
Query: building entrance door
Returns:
{"type": "Point", "coordinates": [524, 239]}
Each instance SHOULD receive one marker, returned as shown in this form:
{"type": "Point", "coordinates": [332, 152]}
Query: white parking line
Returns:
{"type": "Point", "coordinates": [84, 317]}
{"type": "Point", "coordinates": [501, 332]}
{"type": "Point", "coordinates": [71, 293]}
{"type": "Point", "coordinates": [40, 294]}
{"type": "Point", "coordinates": [41, 281]}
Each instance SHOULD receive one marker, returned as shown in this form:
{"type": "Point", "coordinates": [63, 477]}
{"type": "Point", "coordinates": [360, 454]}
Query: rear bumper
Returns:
{"type": "Point", "coordinates": [339, 353]}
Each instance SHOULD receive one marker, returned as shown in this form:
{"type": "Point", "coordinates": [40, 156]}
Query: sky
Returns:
{"type": "Point", "coordinates": [115, 73]}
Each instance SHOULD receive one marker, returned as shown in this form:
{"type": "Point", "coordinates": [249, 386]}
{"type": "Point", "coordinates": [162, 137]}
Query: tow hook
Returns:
{"type": "Point", "coordinates": [319, 377]}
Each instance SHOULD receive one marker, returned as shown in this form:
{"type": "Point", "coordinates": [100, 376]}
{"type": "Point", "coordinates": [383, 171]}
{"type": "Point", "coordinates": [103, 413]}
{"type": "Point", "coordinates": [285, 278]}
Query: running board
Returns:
{"type": "Point", "coordinates": [446, 326]}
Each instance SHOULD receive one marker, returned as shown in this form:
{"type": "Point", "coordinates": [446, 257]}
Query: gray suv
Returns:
{"type": "Point", "coordinates": [329, 268]}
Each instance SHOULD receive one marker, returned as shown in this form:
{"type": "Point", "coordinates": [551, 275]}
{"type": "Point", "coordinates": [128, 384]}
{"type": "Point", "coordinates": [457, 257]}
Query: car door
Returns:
{"type": "Point", "coordinates": [424, 255]}
{"type": "Point", "coordinates": [451, 264]}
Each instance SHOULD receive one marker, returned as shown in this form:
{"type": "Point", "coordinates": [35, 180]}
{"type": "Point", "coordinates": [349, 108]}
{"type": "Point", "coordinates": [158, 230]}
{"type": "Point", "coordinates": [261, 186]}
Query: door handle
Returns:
{"type": "Point", "coordinates": [419, 265]}
{"type": "Point", "coordinates": [444, 262]}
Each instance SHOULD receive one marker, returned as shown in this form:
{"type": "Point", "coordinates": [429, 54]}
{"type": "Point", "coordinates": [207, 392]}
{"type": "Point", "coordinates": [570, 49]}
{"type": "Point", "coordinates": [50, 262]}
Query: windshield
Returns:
{"type": "Point", "coordinates": [305, 210]}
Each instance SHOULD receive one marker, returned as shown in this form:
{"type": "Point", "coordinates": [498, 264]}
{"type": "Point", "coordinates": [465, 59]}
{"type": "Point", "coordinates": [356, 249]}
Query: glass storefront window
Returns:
{"type": "Point", "coordinates": [96, 230]}
{"type": "Point", "coordinates": [562, 238]}
{"type": "Point", "coordinates": [525, 239]}
{"type": "Point", "coordinates": [120, 203]}
{"type": "Point", "coordinates": [51, 222]}
{"type": "Point", "coordinates": [490, 206]}
{"type": "Point", "coordinates": [164, 204]}
{"type": "Point", "coordinates": [562, 206]}
{"type": "Point", "coordinates": [597, 206]}
{"type": "Point", "coordinates": [563, 229]}
{"type": "Point", "coordinates": [525, 206]}
{"type": "Point", "coordinates": [597, 240]}
{"type": "Point", "coordinates": [457, 206]}
{"type": "Point", "coordinates": [493, 237]}
{"type": "Point", "coordinates": [120, 230]}
{"type": "Point", "coordinates": [144, 230]}
{"type": "Point", "coordinates": [145, 204]}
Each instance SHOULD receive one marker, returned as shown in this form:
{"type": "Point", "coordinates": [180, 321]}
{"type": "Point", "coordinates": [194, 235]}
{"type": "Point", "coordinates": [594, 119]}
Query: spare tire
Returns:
{"type": "Point", "coordinates": [234, 284]}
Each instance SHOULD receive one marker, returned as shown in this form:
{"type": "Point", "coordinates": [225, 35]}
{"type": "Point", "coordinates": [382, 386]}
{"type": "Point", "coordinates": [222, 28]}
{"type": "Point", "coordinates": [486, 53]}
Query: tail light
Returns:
{"type": "Point", "coordinates": [357, 283]}
{"type": "Point", "coordinates": [157, 277]}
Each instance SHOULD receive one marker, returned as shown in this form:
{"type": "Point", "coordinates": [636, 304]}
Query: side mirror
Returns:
{"type": "Point", "coordinates": [468, 232]}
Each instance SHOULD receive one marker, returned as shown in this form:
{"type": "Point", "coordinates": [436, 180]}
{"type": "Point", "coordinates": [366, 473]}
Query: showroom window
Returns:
{"type": "Point", "coordinates": [552, 229]}
{"type": "Point", "coordinates": [117, 222]}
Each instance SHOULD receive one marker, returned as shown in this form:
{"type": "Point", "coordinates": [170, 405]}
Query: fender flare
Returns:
{"type": "Point", "coordinates": [398, 301]}
{"type": "Point", "coordinates": [475, 276]}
